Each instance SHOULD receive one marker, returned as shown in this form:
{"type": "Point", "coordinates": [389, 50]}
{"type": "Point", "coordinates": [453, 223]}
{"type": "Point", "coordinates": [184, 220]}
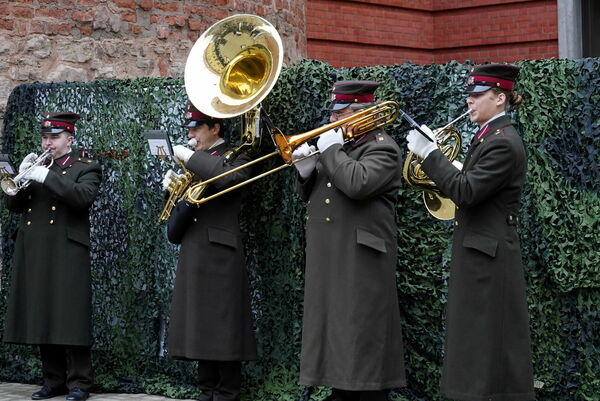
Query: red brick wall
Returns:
{"type": "Point", "coordinates": [371, 32]}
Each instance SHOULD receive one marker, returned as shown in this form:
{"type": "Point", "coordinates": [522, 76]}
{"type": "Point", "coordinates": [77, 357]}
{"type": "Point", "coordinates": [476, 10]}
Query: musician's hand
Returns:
{"type": "Point", "coordinates": [306, 166]}
{"type": "Point", "coordinates": [169, 177]}
{"type": "Point", "coordinates": [329, 138]}
{"type": "Point", "coordinates": [27, 162]}
{"type": "Point", "coordinates": [419, 144]}
{"type": "Point", "coordinates": [182, 153]}
{"type": "Point", "coordinates": [37, 173]}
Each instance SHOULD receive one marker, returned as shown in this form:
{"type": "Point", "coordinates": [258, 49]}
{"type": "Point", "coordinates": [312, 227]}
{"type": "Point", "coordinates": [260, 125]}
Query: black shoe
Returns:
{"type": "Point", "coordinates": [207, 395]}
{"type": "Point", "coordinates": [47, 392]}
{"type": "Point", "coordinates": [77, 394]}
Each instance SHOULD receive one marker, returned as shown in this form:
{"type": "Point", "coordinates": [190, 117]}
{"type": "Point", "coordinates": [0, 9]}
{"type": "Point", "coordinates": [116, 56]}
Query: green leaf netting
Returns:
{"type": "Point", "coordinates": [134, 265]}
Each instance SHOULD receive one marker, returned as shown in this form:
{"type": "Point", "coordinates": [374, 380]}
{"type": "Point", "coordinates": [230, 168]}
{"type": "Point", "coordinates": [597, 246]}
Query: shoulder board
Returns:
{"type": "Point", "coordinates": [380, 137]}
{"type": "Point", "coordinates": [84, 160]}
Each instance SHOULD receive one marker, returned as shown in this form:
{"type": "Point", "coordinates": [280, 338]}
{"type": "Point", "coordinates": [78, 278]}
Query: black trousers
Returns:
{"type": "Point", "coordinates": [67, 366]}
{"type": "Point", "coordinates": [346, 395]}
{"type": "Point", "coordinates": [220, 380]}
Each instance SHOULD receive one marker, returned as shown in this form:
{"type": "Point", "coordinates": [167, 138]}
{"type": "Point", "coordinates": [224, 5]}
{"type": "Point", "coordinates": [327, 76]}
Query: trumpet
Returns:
{"type": "Point", "coordinates": [11, 186]}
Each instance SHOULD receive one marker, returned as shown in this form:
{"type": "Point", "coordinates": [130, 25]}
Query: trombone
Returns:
{"type": "Point", "coordinates": [356, 125]}
{"type": "Point", "coordinates": [11, 186]}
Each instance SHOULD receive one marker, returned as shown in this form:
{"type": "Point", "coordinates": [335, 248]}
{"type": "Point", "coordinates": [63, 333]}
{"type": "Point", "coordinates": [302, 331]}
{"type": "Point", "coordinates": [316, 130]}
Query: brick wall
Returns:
{"type": "Point", "coordinates": [85, 40]}
{"type": "Point", "coordinates": [371, 32]}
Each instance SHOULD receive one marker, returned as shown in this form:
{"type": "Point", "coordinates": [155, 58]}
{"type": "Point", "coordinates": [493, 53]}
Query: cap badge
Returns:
{"type": "Point", "coordinates": [46, 124]}
{"type": "Point", "coordinates": [188, 115]}
{"type": "Point", "coordinates": [470, 80]}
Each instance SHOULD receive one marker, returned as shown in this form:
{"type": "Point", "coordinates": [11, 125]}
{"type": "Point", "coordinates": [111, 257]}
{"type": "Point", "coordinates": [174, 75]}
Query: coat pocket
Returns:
{"type": "Point", "coordinates": [79, 236]}
{"type": "Point", "coordinates": [481, 243]}
{"type": "Point", "coordinates": [365, 238]}
{"type": "Point", "coordinates": [223, 237]}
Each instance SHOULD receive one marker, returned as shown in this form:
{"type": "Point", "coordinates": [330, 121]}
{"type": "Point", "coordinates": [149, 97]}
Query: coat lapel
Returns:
{"type": "Point", "coordinates": [485, 132]}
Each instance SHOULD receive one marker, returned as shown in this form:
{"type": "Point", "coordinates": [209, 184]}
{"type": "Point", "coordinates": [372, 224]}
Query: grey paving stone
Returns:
{"type": "Point", "coordinates": [20, 392]}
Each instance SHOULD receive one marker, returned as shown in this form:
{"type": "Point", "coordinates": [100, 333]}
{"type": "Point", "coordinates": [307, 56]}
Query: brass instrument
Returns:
{"type": "Point", "coordinates": [11, 186]}
{"type": "Point", "coordinates": [449, 142]}
{"type": "Point", "coordinates": [357, 124]}
{"type": "Point", "coordinates": [176, 189]}
{"type": "Point", "coordinates": [233, 65]}
{"type": "Point", "coordinates": [230, 70]}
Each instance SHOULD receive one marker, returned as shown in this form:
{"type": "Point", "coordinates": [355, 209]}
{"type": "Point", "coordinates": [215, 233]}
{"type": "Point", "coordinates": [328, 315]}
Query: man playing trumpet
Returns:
{"type": "Point", "coordinates": [49, 303]}
{"type": "Point", "coordinates": [211, 320]}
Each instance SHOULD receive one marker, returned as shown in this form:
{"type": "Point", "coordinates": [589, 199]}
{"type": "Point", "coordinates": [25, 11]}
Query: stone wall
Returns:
{"type": "Point", "coordinates": [86, 40]}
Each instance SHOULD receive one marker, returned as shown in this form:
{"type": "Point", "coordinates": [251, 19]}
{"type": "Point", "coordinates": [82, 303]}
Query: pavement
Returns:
{"type": "Point", "coordinates": [20, 392]}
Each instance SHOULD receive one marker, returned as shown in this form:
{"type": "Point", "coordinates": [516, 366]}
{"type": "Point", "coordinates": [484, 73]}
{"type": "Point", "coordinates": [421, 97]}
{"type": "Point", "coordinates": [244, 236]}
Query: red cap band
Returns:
{"type": "Point", "coordinates": [499, 82]}
{"type": "Point", "coordinates": [366, 98]}
{"type": "Point", "coordinates": [50, 123]}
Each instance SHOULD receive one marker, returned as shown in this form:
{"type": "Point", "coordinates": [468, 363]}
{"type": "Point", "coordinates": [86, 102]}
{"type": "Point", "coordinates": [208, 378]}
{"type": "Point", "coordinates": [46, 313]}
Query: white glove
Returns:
{"type": "Point", "coordinates": [306, 166]}
{"type": "Point", "coordinates": [182, 153]}
{"type": "Point", "coordinates": [169, 177]}
{"type": "Point", "coordinates": [419, 144]}
{"type": "Point", "coordinates": [27, 162]}
{"type": "Point", "coordinates": [38, 173]}
{"type": "Point", "coordinates": [329, 138]}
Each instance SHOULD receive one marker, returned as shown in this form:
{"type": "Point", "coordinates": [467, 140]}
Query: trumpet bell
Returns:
{"type": "Point", "coordinates": [233, 65]}
{"type": "Point", "coordinates": [9, 186]}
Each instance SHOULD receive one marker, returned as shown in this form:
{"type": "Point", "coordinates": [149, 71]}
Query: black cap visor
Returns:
{"type": "Point", "coordinates": [334, 106]}
{"type": "Point", "coordinates": [477, 88]}
{"type": "Point", "coordinates": [53, 130]}
{"type": "Point", "coordinates": [193, 123]}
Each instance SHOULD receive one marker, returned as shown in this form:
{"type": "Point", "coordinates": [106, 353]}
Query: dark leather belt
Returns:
{"type": "Point", "coordinates": [512, 220]}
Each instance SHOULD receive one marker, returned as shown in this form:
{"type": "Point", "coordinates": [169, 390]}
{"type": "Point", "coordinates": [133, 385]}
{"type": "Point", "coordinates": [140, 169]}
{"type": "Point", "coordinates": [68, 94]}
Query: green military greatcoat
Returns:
{"type": "Point", "coordinates": [487, 350]}
{"type": "Point", "coordinates": [351, 336]}
{"type": "Point", "coordinates": [50, 294]}
{"type": "Point", "coordinates": [210, 310]}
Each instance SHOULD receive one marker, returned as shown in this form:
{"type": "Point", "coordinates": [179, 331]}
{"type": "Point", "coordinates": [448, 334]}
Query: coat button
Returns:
{"type": "Point", "coordinates": [29, 223]}
{"type": "Point", "coordinates": [328, 185]}
{"type": "Point", "coordinates": [64, 172]}
{"type": "Point", "coordinates": [327, 219]}
{"type": "Point", "coordinates": [53, 207]}
{"type": "Point", "coordinates": [327, 201]}
{"type": "Point", "coordinates": [195, 219]}
{"type": "Point", "coordinates": [51, 221]}
{"type": "Point", "coordinates": [29, 210]}
{"type": "Point", "coordinates": [456, 223]}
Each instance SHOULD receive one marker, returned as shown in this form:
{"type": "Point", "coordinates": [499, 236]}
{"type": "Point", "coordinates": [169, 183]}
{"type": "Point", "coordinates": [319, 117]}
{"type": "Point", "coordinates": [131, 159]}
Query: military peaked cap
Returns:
{"type": "Point", "coordinates": [55, 123]}
{"type": "Point", "coordinates": [194, 117]}
{"type": "Point", "coordinates": [487, 76]}
{"type": "Point", "coordinates": [345, 93]}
